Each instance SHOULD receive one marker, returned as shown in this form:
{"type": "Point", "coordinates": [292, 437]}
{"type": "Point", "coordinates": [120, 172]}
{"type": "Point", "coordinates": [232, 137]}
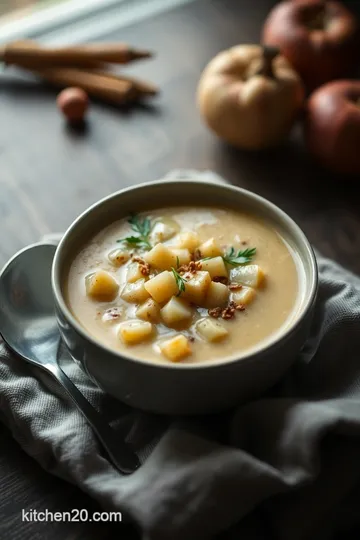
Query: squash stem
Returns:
{"type": "Point", "coordinates": [269, 55]}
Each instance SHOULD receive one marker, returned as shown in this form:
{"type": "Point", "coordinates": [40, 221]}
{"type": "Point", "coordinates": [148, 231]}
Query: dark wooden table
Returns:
{"type": "Point", "coordinates": [49, 174]}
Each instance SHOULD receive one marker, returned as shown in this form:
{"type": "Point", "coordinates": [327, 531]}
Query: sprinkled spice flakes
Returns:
{"type": "Point", "coordinates": [144, 266]}
{"type": "Point", "coordinates": [226, 313]}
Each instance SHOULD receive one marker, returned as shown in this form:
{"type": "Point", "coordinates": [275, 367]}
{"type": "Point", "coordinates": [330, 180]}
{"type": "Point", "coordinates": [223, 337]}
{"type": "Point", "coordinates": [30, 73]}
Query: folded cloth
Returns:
{"type": "Point", "coordinates": [289, 461]}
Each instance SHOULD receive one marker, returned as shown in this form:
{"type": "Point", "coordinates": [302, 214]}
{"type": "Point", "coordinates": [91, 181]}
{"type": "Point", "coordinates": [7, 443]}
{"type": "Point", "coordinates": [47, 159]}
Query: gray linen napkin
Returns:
{"type": "Point", "coordinates": [290, 459]}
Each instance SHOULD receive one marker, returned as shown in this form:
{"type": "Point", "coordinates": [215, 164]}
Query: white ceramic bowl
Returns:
{"type": "Point", "coordinates": [184, 388]}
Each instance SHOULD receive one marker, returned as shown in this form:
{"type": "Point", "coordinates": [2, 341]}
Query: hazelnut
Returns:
{"type": "Point", "coordinates": [73, 103]}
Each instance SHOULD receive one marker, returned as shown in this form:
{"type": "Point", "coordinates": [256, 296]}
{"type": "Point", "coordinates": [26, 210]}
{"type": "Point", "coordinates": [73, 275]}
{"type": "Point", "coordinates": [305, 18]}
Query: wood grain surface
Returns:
{"type": "Point", "coordinates": [50, 173]}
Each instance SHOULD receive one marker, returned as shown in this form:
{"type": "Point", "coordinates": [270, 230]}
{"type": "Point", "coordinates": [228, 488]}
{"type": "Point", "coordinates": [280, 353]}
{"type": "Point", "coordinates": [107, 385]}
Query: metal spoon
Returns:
{"type": "Point", "coordinates": [28, 326]}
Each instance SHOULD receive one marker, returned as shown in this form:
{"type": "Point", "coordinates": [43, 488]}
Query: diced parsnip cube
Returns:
{"type": "Point", "coordinates": [188, 240]}
{"type": "Point", "coordinates": [149, 311]}
{"type": "Point", "coordinates": [251, 275]}
{"type": "Point", "coordinates": [217, 295]}
{"type": "Point", "coordinates": [215, 267]}
{"type": "Point", "coordinates": [162, 287]}
{"type": "Point", "coordinates": [175, 311]}
{"type": "Point", "coordinates": [135, 293]}
{"type": "Point", "coordinates": [243, 296]}
{"type": "Point", "coordinates": [211, 330]}
{"type": "Point", "coordinates": [175, 348]}
{"type": "Point", "coordinates": [133, 332]}
{"type": "Point", "coordinates": [160, 257]}
{"type": "Point", "coordinates": [183, 255]}
{"type": "Point", "coordinates": [196, 288]}
{"type": "Point", "coordinates": [210, 248]}
{"type": "Point", "coordinates": [133, 273]}
{"type": "Point", "coordinates": [164, 229]}
{"type": "Point", "coordinates": [101, 286]}
{"type": "Point", "coordinates": [118, 257]}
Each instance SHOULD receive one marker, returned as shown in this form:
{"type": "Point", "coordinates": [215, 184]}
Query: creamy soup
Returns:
{"type": "Point", "coordinates": [184, 284]}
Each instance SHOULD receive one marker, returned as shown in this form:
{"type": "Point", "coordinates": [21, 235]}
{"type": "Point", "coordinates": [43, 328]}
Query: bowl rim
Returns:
{"type": "Point", "coordinates": [208, 364]}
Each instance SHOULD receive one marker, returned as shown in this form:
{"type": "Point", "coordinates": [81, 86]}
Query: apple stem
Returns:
{"type": "Point", "coordinates": [269, 54]}
{"type": "Point", "coordinates": [318, 16]}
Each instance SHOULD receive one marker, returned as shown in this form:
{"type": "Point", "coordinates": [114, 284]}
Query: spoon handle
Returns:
{"type": "Point", "coordinates": [120, 453]}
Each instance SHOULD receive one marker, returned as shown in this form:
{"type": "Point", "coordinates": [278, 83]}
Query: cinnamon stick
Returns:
{"type": "Point", "coordinates": [142, 87]}
{"type": "Point", "coordinates": [110, 89]}
{"type": "Point", "coordinates": [83, 56]}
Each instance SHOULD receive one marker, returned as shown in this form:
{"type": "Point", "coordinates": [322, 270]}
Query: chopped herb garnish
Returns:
{"type": "Point", "coordinates": [143, 228]}
{"type": "Point", "coordinates": [241, 257]}
{"type": "Point", "coordinates": [180, 281]}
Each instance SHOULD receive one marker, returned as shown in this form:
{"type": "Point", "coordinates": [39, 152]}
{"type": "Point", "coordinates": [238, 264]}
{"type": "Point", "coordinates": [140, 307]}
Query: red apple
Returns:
{"type": "Point", "coordinates": [332, 126]}
{"type": "Point", "coordinates": [319, 38]}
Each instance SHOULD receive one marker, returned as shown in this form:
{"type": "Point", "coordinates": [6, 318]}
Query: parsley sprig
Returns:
{"type": "Point", "coordinates": [241, 257]}
{"type": "Point", "coordinates": [180, 281]}
{"type": "Point", "coordinates": [142, 227]}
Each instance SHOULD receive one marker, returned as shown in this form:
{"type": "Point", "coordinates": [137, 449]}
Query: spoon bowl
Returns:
{"type": "Point", "coordinates": [29, 327]}
{"type": "Point", "coordinates": [27, 318]}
